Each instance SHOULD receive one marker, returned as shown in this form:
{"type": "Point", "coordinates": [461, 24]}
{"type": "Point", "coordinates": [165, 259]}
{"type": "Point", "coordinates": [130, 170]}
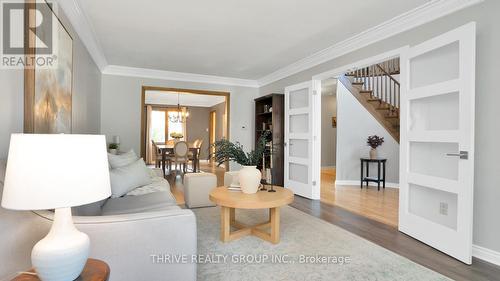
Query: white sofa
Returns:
{"type": "Point", "coordinates": [125, 232]}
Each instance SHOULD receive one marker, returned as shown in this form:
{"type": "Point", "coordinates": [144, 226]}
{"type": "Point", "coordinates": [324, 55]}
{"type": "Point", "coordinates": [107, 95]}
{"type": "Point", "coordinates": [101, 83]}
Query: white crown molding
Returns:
{"type": "Point", "coordinates": [486, 254]}
{"type": "Point", "coordinates": [423, 14]}
{"type": "Point", "coordinates": [85, 31]}
{"type": "Point", "coordinates": [177, 76]}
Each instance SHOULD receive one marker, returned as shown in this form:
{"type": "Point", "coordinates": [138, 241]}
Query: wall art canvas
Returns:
{"type": "Point", "coordinates": [50, 87]}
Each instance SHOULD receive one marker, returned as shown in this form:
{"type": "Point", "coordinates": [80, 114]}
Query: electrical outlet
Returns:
{"type": "Point", "coordinates": [443, 208]}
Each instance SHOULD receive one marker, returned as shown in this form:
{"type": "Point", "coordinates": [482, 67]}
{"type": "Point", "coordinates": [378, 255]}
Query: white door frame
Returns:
{"type": "Point", "coordinates": [316, 160]}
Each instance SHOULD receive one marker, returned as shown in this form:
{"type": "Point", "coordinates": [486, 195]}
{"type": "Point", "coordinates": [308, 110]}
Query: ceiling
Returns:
{"type": "Point", "coordinates": [229, 38]}
{"type": "Point", "coordinates": [186, 99]}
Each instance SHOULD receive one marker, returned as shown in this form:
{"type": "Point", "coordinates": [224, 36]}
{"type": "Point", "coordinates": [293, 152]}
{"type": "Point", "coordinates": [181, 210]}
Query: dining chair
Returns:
{"type": "Point", "coordinates": [192, 157]}
{"type": "Point", "coordinates": [156, 154]}
{"type": "Point", "coordinates": [181, 150]}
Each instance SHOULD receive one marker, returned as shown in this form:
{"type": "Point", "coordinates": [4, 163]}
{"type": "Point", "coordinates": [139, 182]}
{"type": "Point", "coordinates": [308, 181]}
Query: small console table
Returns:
{"type": "Point", "coordinates": [380, 178]}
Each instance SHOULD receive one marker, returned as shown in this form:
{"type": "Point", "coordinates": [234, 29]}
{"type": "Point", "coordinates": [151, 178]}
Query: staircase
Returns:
{"type": "Point", "coordinates": [378, 90]}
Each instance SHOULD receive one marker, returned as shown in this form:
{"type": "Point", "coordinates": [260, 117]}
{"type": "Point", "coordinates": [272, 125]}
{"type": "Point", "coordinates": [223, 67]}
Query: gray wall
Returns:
{"type": "Point", "coordinates": [487, 166]}
{"type": "Point", "coordinates": [197, 127]}
{"type": "Point", "coordinates": [354, 125]}
{"type": "Point", "coordinates": [17, 233]}
{"type": "Point", "coordinates": [220, 110]}
{"type": "Point", "coordinates": [328, 133]}
{"type": "Point", "coordinates": [121, 112]}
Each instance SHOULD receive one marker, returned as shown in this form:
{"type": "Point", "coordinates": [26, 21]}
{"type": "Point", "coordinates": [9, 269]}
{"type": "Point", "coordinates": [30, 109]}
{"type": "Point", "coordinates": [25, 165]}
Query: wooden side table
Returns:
{"type": "Point", "coordinates": [380, 178]}
{"type": "Point", "coordinates": [95, 270]}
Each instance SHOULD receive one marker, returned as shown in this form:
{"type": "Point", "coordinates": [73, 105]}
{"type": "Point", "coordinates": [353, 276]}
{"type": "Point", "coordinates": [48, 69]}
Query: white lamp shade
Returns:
{"type": "Point", "coordinates": [55, 171]}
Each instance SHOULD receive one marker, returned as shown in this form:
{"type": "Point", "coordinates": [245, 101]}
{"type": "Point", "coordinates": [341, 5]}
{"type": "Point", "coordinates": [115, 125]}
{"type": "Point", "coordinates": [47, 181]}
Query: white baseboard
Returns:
{"type": "Point", "coordinates": [357, 183]}
{"type": "Point", "coordinates": [486, 254]}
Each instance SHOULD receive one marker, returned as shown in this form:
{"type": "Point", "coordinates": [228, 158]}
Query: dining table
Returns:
{"type": "Point", "coordinates": [168, 149]}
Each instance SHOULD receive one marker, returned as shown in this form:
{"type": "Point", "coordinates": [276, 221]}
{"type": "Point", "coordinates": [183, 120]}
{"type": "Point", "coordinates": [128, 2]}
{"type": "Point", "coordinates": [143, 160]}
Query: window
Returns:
{"type": "Point", "coordinates": [158, 125]}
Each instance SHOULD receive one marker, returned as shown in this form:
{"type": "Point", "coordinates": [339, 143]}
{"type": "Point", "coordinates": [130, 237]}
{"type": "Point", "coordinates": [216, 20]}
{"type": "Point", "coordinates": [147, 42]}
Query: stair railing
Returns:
{"type": "Point", "coordinates": [379, 79]}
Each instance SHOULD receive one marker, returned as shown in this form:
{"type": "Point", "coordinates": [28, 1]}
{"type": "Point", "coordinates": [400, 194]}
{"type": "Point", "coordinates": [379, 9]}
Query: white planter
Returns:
{"type": "Point", "coordinates": [249, 178]}
{"type": "Point", "coordinates": [373, 153]}
{"type": "Point", "coordinates": [113, 151]}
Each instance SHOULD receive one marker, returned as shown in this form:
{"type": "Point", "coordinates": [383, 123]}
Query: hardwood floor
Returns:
{"type": "Point", "coordinates": [380, 205]}
{"type": "Point", "coordinates": [390, 238]}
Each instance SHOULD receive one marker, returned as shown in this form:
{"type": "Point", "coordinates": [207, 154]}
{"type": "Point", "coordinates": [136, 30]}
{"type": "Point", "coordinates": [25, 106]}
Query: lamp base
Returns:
{"type": "Point", "coordinates": [62, 254]}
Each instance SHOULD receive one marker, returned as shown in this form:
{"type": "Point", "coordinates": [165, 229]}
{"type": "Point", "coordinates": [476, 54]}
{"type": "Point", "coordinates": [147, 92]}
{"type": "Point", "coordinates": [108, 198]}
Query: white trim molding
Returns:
{"type": "Point", "coordinates": [421, 15]}
{"type": "Point", "coordinates": [358, 182]}
{"type": "Point", "coordinates": [85, 31]}
{"type": "Point", "coordinates": [486, 254]}
{"type": "Point", "coordinates": [177, 76]}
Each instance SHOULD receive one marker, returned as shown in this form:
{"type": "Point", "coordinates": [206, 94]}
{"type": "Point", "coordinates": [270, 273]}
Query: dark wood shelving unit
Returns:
{"type": "Point", "coordinates": [269, 116]}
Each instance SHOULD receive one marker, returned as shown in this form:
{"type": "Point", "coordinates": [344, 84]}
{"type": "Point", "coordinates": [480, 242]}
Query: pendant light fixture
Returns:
{"type": "Point", "coordinates": [181, 113]}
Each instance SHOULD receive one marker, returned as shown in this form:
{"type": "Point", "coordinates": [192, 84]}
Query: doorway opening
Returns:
{"type": "Point", "coordinates": [356, 104]}
{"type": "Point", "coordinates": [197, 117]}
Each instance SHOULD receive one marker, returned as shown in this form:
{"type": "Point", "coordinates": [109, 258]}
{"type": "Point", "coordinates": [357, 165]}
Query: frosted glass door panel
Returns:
{"type": "Point", "coordinates": [436, 66]}
{"type": "Point", "coordinates": [299, 123]}
{"type": "Point", "coordinates": [429, 158]}
{"type": "Point", "coordinates": [435, 205]}
{"type": "Point", "coordinates": [299, 173]}
{"type": "Point", "coordinates": [299, 98]}
{"type": "Point", "coordinates": [435, 113]}
{"type": "Point", "coordinates": [299, 148]}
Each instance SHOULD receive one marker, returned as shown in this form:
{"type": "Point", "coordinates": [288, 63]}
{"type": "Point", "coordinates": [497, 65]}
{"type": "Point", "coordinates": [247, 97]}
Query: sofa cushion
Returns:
{"type": "Point", "coordinates": [122, 160]}
{"type": "Point", "coordinates": [92, 209]}
{"type": "Point", "coordinates": [157, 184]}
{"type": "Point", "coordinates": [127, 178]}
{"type": "Point", "coordinates": [138, 204]}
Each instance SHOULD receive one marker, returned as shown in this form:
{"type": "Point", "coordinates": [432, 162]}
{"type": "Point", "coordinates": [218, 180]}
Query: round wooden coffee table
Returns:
{"type": "Point", "coordinates": [229, 201]}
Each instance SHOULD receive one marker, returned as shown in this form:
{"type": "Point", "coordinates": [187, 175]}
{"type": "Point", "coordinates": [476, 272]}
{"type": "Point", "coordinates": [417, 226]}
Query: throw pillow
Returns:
{"type": "Point", "coordinates": [127, 178]}
{"type": "Point", "coordinates": [122, 160]}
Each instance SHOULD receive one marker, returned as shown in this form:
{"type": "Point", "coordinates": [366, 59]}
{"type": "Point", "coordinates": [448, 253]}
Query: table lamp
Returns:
{"type": "Point", "coordinates": [57, 172]}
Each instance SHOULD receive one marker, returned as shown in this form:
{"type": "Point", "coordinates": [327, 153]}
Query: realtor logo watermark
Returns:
{"type": "Point", "coordinates": [29, 35]}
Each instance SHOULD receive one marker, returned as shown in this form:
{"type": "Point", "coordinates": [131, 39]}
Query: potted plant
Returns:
{"type": "Point", "coordinates": [374, 142]}
{"type": "Point", "coordinates": [113, 148]}
{"type": "Point", "coordinates": [249, 176]}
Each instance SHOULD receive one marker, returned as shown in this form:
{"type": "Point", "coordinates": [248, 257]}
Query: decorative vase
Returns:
{"type": "Point", "coordinates": [113, 151]}
{"type": "Point", "coordinates": [373, 153]}
{"type": "Point", "coordinates": [249, 178]}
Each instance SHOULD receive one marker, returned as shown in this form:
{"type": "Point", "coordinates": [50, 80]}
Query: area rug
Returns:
{"type": "Point", "coordinates": [310, 249]}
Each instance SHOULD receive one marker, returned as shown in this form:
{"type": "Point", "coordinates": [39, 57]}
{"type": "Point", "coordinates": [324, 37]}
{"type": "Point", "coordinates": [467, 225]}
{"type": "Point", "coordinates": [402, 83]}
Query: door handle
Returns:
{"type": "Point", "coordinates": [463, 154]}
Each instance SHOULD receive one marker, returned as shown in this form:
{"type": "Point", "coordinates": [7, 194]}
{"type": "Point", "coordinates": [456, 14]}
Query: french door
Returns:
{"type": "Point", "coordinates": [302, 174]}
{"type": "Point", "coordinates": [437, 142]}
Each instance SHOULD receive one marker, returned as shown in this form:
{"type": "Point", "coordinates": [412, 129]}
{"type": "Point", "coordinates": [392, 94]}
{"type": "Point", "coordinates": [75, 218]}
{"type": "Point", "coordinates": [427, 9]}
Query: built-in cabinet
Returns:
{"type": "Point", "coordinates": [269, 116]}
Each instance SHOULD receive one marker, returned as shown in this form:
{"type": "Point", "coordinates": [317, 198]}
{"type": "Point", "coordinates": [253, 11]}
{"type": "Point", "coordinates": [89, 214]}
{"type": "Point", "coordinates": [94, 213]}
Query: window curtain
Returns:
{"type": "Point", "coordinates": [149, 146]}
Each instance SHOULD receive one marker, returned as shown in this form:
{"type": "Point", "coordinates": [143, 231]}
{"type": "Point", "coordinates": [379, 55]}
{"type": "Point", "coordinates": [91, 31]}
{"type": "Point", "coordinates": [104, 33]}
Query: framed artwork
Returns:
{"type": "Point", "coordinates": [48, 90]}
